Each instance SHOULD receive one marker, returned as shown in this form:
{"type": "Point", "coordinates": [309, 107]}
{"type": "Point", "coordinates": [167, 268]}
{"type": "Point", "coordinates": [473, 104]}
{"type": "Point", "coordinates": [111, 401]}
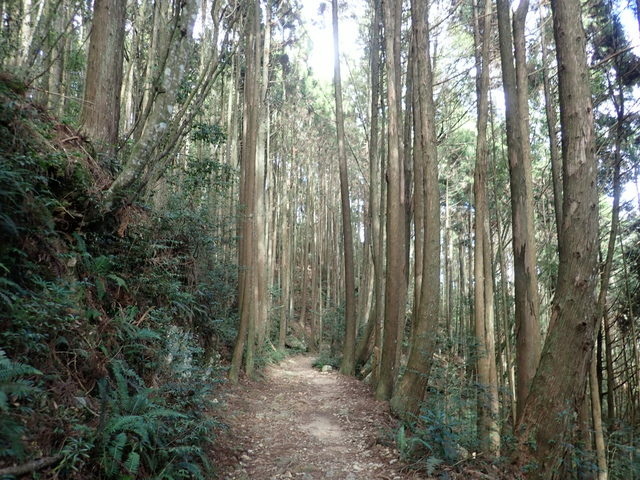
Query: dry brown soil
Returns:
{"type": "Point", "coordinates": [300, 423]}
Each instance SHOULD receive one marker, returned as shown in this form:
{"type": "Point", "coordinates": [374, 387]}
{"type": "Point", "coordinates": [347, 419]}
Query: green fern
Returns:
{"type": "Point", "coordinates": [190, 470]}
{"type": "Point", "coordinates": [10, 373]}
{"type": "Point", "coordinates": [113, 454]}
{"type": "Point", "coordinates": [133, 463]}
{"type": "Point", "coordinates": [14, 387]}
{"type": "Point", "coordinates": [7, 286]}
{"type": "Point", "coordinates": [11, 432]}
{"type": "Point", "coordinates": [136, 432]}
{"type": "Point", "coordinates": [128, 423]}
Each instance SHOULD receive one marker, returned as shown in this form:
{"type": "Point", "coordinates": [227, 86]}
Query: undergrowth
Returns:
{"type": "Point", "coordinates": [442, 440]}
{"type": "Point", "coordinates": [445, 429]}
{"type": "Point", "coordinates": [111, 328]}
{"type": "Point", "coordinates": [326, 358]}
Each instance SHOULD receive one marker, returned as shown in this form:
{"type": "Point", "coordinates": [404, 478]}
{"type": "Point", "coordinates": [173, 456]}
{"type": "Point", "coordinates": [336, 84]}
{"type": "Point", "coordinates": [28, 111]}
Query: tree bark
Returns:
{"type": "Point", "coordinates": [58, 54]}
{"type": "Point", "coordinates": [100, 115]}
{"type": "Point", "coordinates": [262, 155]}
{"type": "Point", "coordinates": [246, 250]}
{"type": "Point", "coordinates": [527, 304]}
{"type": "Point", "coordinates": [30, 467]}
{"type": "Point", "coordinates": [395, 288]}
{"type": "Point", "coordinates": [559, 384]}
{"type": "Point", "coordinates": [596, 415]}
{"type": "Point", "coordinates": [411, 387]}
{"type": "Point", "coordinates": [552, 127]}
{"type": "Point", "coordinates": [348, 364]}
{"type": "Point", "coordinates": [375, 184]}
{"type": "Point", "coordinates": [488, 407]}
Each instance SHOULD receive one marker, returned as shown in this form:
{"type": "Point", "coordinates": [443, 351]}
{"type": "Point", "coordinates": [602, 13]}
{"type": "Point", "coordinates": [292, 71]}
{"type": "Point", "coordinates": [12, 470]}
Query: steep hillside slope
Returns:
{"type": "Point", "coordinates": [110, 325]}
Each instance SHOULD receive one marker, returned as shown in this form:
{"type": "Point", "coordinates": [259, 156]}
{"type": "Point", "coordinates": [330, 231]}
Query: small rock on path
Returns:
{"type": "Point", "coordinates": [300, 423]}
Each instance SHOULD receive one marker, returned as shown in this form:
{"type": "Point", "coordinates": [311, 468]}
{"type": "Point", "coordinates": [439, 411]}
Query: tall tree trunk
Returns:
{"type": "Point", "coordinates": [488, 406]}
{"type": "Point", "coordinates": [58, 54]}
{"type": "Point", "coordinates": [552, 122]}
{"type": "Point", "coordinates": [527, 304]}
{"type": "Point", "coordinates": [348, 363]}
{"type": "Point", "coordinates": [262, 155]}
{"type": "Point", "coordinates": [506, 311]}
{"type": "Point", "coordinates": [559, 384]}
{"type": "Point", "coordinates": [375, 184]}
{"type": "Point", "coordinates": [605, 276]}
{"type": "Point", "coordinates": [163, 125]}
{"type": "Point", "coordinates": [286, 233]}
{"type": "Point", "coordinates": [412, 385]}
{"type": "Point", "coordinates": [100, 116]}
{"type": "Point", "coordinates": [395, 287]}
{"type": "Point", "coordinates": [246, 254]}
{"type": "Point", "coordinates": [611, 403]}
{"type": "Point", "coordinates": [418, 182]}
{"type": "Point", "coordinates": [447, 302]}
{"type": "Point", "coordinates": [596, 415]}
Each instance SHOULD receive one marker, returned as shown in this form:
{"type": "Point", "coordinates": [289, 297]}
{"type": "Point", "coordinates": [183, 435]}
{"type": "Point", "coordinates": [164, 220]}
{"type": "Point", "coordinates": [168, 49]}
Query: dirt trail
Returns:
{"type": "Point", "coordinates": [301, 423]}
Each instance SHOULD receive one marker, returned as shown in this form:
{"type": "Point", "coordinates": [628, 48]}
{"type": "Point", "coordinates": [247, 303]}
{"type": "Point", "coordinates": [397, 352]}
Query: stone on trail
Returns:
{"type": "Point", "coordinates": [326, 368]}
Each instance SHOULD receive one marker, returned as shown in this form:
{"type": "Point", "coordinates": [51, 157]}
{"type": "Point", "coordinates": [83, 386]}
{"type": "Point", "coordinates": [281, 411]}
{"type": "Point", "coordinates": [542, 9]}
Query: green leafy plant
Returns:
{"type": "Point", "coordinates": [131, 424]}
{"type": "Point", "coordinates": [76, 451]}
{"type": "Point", "coordinates": [107, 314]}
{"type": "Point", "coordinates": [16, 388]}
{"type": "Point", "coordinates": [143, 430]}
{"type": "Point", "coordinates": [209, 133]}
{"type": "Point", "coordinates": [439, 434]}
{"type": "Point", "coordinates": [444, 432]}
{"type": "Point", "coordinates": [326, 358]}
{"type": "Point", "coordinates": [47, 311]}
{"type": "Point", "coordinates": [624, 453]}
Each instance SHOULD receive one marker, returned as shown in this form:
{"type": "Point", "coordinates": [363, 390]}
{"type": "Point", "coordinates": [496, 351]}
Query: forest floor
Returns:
{"type": "Point", "coordinates": [300, 423]}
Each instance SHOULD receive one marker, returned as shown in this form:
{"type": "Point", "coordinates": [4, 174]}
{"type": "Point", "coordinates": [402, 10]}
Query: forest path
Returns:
{"type": "Point", "coordinates": [300, 423]}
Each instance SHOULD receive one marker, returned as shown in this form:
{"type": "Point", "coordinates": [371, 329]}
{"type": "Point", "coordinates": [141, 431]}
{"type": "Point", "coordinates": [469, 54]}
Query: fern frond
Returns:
{"type": "Point", "coordinates": [192, 469]}
{"type": "Point", "coordinates": [146, 334]}
{"type": "Point", "coordinates": [133, 463]}
{"type": "Point", "coordinates": [138, 403]}
{"type": "Point", "coordinates": [122, 389]}
{"type": "Point", "coordinates": [10, 370]}
{"type": "Point", "coordinates": [11, 444]}
{"type": "Point", "coordinates": [135, 424]}
{"type": "Point", "coordinates": [12, 382]}
{"type": "Point", "coordinates": [164, 413]}
{"type": "Point", "coordinates": [20, 388]}
{"type": "Point", "coordinates": [118, 280]}
{"type": "Point", "coordinates": [183, 451]}
{"type": "Point", "coordinates": [113, 455]}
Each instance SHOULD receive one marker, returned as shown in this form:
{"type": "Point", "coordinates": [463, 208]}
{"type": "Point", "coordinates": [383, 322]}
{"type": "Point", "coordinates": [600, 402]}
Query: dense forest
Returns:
{"type": "Point", "coordinates": [453, 220]}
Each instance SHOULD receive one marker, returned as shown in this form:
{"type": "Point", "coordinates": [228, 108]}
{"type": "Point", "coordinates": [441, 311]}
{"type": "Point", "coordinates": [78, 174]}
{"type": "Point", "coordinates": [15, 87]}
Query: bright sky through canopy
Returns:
{"type": "Point", "coordinates": [316, 15]}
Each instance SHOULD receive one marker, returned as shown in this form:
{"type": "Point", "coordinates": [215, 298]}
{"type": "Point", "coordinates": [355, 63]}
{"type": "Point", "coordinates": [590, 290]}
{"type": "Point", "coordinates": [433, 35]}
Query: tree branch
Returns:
{"type": "Point", "coordinates": [29, 467]}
